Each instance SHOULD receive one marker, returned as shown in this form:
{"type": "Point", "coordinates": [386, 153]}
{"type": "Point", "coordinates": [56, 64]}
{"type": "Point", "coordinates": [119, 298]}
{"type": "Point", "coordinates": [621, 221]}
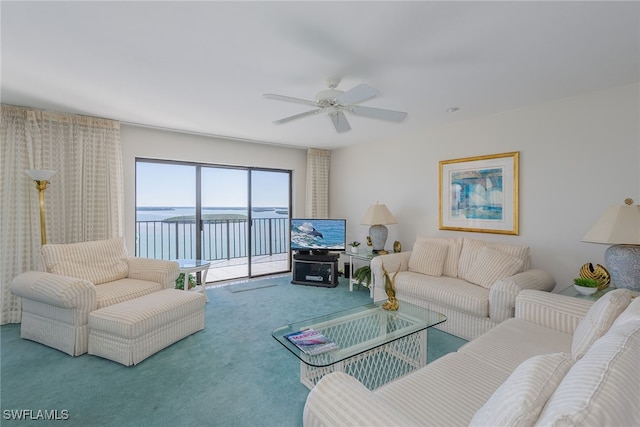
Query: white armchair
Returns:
{"type": "Point", "coordinates": [81, 278]}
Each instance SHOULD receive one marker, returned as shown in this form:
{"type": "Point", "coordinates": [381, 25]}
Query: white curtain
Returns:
{"type": "Point", "coordinates": [84, 200]}
{"type": "Point", "coordinates": [318, 167]}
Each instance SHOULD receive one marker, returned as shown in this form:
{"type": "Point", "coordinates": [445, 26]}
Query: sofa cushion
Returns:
{"type": "Point", "coordinates": [497, 344]}
{"type": "Point", "coordinates": [428, 258]}
{"type": "Point", "coordinates": [453, 254]}
{"type": "Point", "coordinates": [448, 291]}
{"type": "Point", "coordinates": [492, 265]}
{"type": "Point", "coordinates": [471, 249]}
{"type": "Point", "coordinates": [602, 388]}
{"type": "Point", "coordinates": [446, 392]}
{"type": "Point", "coordinates": [98, 261]}
{"type": "Point", "coordinates": [598, 320]}
{"type": "Point", "coordinates": [520, 399]}
{"type": "Point", "coordinates": [123, 290]}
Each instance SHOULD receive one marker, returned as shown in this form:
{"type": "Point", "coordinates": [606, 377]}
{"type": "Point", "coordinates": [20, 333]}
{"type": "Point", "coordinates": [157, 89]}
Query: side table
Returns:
{"type": "Point", "coordinates": [366, 257]}
{"type": "Point", "coordinates": [571, 292]}
{"type": "Point", "coordinates": [188, 266]}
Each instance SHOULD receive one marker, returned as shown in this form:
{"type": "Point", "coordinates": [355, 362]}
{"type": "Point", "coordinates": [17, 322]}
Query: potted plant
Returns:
{"type": "Point", "coordinates": [354, 246]}
{"type": "Point", "coordinates": [362, 276]}
{"type": "Point", "coordinates": [180, 281]}
{"type": "Point", "coordinates": [586, 286]}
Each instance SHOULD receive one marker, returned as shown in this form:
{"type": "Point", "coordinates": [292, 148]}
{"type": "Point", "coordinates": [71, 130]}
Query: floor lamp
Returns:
{"type": "Point", "coordinates": [620, 226]}
{"type": "Point", "coordinates": [41, 178]}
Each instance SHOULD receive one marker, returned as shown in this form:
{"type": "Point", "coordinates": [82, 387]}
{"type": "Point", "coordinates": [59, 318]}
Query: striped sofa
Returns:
{"type": "Point", "coordinates": [81, 278]}
{"type": "Point", "coordinates": [473, 282]}
{"type": "Point", "coordinates": [562, 361]}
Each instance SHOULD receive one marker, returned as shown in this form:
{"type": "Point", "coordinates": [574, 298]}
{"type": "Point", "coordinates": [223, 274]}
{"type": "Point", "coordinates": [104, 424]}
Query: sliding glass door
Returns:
{"type": "Point", "coordinates": [235, 217]}
{"type": "Point", "coordinates": [270, 200]}
{"type": "Point", "coordinates": [225, 220]}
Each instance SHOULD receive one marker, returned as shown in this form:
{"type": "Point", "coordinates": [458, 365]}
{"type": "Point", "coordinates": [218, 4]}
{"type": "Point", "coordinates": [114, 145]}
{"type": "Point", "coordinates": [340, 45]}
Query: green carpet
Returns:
{"type": "Point", "coordinates": [233, 373]}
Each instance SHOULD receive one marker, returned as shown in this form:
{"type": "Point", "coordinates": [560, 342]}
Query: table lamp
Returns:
{"type": "Point", "coordinates": [41, 178]}
{"type": "Point", "coordinates": [377, 216]}
{"type": "Point", "coordinates": [620, 227]}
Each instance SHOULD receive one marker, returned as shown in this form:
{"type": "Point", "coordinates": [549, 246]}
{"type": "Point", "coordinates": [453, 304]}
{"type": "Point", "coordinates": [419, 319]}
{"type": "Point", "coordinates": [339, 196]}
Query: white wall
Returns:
{"type": "Point", "coordinates": [577, 156]}
{"type": "Point", "coordinates": [160, 144]}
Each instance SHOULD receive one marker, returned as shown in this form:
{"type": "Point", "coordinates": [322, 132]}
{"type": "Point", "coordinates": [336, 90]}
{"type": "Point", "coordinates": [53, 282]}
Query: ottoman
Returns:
{"type": "Point", "coordinates": [133, 330]}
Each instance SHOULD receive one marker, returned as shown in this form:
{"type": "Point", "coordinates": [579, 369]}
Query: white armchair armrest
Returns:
{"type": "Point", "coordinates": [559, 312]}
{"type": "Point", "coordinates": [503, 293]}
{"type": "Point", "coordinates": [154, 270]}
{"type": "Point", "coordinates": [339, 399]}
{"type": "Point", "coordinates": [53, 289]}
{"type": "Point", "coordinates": [391, 263]}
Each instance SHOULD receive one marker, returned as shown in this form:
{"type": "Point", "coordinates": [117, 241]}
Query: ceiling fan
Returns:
{"type": "Point", "coordinates": [334, 103]}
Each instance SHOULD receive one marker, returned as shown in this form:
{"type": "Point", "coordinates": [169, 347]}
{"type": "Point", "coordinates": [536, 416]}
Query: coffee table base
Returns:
{"type": "Point", "coordinates": [378, 366]}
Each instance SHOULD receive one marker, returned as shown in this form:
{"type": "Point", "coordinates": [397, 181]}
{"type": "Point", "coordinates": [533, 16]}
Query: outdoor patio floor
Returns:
{"type": "Point", "coordinates": [237, 268]}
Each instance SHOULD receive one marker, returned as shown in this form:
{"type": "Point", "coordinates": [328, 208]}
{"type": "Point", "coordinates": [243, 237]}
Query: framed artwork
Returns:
{"type": "Point", "coordinates": [480, 194]}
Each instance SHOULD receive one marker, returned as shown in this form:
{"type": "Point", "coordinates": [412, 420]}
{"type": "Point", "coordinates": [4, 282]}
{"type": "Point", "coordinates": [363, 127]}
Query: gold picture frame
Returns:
{"type": "Point", "coordinates": [480, 194]}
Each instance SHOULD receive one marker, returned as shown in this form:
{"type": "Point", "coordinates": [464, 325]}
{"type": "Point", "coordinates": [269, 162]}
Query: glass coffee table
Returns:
{"type": "Point", "coordinates": [376, 346]}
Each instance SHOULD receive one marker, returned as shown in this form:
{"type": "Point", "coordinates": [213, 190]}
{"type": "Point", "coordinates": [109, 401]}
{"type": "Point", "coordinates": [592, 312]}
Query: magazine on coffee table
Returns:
{"type": "Point", "coordinates": [311, 341]}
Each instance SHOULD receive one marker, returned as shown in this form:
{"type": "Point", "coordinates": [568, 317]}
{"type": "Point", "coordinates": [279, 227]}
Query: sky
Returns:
{"type": "Point", "coordinates": [171, 185]}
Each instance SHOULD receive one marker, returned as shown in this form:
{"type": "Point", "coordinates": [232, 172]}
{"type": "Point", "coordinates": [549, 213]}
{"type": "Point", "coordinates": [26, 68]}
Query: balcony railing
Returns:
{"type": "Point", "coordinates": [221, 238]}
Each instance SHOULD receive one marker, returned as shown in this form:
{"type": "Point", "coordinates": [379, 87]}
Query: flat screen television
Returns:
{"type": "Point", "coordinates": [318, 235]}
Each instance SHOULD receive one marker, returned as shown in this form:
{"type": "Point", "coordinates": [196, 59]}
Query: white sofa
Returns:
{"type": "Point", "coordinates": [473, 282]}
{"type": "Point", "coordinates": [562, 361]}
{"type": "Point", "coordinates": [80, 278]}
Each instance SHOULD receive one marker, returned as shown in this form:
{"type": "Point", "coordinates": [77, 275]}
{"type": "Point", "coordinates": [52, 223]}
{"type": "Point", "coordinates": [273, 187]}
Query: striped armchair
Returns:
{"type": "Point", "coordinates": [81, 278]}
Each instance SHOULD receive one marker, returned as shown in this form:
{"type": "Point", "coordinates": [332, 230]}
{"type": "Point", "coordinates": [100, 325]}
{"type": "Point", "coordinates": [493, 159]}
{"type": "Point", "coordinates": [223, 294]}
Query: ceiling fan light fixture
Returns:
{"type": "Point", "coordinates": [334, 103]}
{"type": "Point", "coordinates": [452, 109]}
{"type": "Point", "coordinates": [329, 94]}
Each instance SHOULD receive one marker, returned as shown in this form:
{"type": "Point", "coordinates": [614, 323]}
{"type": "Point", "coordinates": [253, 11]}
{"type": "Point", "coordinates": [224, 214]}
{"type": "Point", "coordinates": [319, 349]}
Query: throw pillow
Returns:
{"type": "Point", "coordinates": [428, 258]}
{"type": "Point", "coordinates": [453, 254]}
{"type": "Point", "coordinates": [632, 312]}
{"type": "Point", "coordinates": [602, 388]}
{"type": "Point", "coordinates": [519, 251]}
{"type": "Point", "coordinates": [598, 320]}
{"type": "Point", "coordinates": [471, 249]}
{"type": "Point", "coordinates": [492, 265]}
{"type": "Point", "coordinates": [520, 399]}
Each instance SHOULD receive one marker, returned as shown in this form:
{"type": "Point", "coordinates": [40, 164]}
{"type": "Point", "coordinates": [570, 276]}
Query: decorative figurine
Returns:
{"type": "Point", "coordinates": [392, 303]}
{"type": "Point", "coordinates": [369, 245]}
{"type": "Point", "coordinates": [599, 273]}
{"type": "Point", "coordinates": [397, 247]}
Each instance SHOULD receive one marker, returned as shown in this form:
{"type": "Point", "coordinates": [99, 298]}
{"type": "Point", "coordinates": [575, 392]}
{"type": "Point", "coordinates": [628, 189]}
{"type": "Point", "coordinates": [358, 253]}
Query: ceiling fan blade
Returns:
{"type": "Point", "coordinates": [340, 121]}
{"type": "Point", "coordinates": [378, 113]}
{"type": "Point", "coordinates": [358, 94]}
{"type": "Point", "coordinates": [290, 99]}
{"type": "Point", "coordinates": [297, 116]}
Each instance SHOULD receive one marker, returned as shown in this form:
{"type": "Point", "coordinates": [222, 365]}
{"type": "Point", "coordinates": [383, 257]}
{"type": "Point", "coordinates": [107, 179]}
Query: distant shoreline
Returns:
{"type": "Point", "coordinates": [207, 217]}
{"type": "Point", "coordinates": [233, 208]}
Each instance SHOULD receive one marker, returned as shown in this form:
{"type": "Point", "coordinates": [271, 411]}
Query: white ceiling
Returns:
{"type": "Point", "coordinates": [203, 66]}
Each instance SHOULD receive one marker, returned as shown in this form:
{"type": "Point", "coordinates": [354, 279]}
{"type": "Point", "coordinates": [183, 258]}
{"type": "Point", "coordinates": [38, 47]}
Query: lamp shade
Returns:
{"type": "Point", "coordinates": [619, 225]}
{"type": "Point", "coordinates": [378, 215]}
{"type": "Point", "coordinates": [40, 174]}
